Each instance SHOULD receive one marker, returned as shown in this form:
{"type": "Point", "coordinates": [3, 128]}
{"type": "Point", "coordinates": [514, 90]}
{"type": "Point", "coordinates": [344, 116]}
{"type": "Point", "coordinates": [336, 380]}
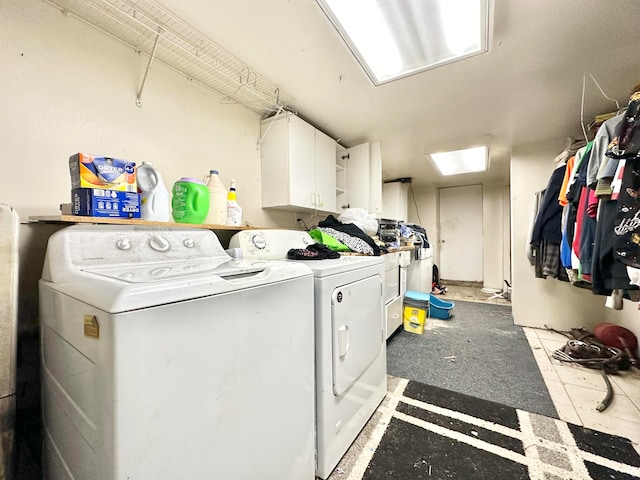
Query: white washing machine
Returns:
{"type": "Point", "coordinates": [351, 363]}
{"type": "Point", "coordinates": [163, 358]}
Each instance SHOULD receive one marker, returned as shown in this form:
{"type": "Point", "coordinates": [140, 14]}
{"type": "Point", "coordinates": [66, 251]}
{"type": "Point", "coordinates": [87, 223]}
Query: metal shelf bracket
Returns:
{"type": "Point", "coordinates": [146, 73]}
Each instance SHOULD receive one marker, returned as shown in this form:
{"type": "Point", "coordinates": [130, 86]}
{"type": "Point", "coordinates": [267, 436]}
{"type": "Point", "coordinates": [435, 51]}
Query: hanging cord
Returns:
{"type": "Point", "coordinates": [584, 131]}
{"type": "Point", "coordinates": [413, 196]}
{"type": "Point", "coordinates": [584, 87]}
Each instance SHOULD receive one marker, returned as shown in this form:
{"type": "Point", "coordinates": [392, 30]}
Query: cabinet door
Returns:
{"type": "Point", "coordinates": [395, 201]}
{"type": "Point", "coordinates": [302, 159]}
{"type": "Point", "coordinates": [325, 172]}
{"type": "Point", "coordinates": [274, 155]}
{"type": "Point", "coordinates": [342, 202]}
{"type": "Point", "coordinates": [393, 316]}
{"type": "Point", "coordinates": [375, 179]}
{"type": "Point", "coordinates": [358, 176]}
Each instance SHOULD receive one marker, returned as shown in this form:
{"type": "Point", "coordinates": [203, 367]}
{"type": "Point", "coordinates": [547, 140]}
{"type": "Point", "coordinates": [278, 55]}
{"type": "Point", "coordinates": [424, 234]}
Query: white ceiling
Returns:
{"type": "Point", "coordinates": [527, 89]}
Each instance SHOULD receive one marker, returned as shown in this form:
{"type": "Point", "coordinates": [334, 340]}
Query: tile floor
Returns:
{"type": "Point", "coordinates": [575, 390]}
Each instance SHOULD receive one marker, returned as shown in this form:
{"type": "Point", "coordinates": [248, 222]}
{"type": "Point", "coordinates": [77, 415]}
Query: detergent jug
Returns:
{"type": "Point", "coordinates": [217, 199]}
{"type": "Point", "coordinates": [190, 201]}
{"type": "Point", "coordinates": [154, 197]}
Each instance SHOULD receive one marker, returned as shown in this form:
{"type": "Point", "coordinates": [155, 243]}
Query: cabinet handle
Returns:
{"type": "Point", "coordinates": [313, 199]}
{"type": "Point", "coordinates": [320, 200]}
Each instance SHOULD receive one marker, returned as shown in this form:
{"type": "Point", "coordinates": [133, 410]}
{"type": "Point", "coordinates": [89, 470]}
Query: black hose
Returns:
{"type": "Point", "coordinates": [604, 404]}
{"type": "Point", "coordinates": [602, 363]}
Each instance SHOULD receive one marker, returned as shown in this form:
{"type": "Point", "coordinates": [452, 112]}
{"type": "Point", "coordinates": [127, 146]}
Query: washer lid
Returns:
{"type": "Point", "coordinates": [153, 272]}
{"type": "Point", "coordinates": [123, 268]}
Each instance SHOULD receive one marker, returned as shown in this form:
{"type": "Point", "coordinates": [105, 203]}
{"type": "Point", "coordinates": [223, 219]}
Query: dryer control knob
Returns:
{"type": "Point", "coordinates": [258, 242]}
{"type": "Point", "coordinates": [189, 243]}
{"type": "Point", "coordinates": [159, 244]}
{"type": "Point", "coordinates": [124, 244]}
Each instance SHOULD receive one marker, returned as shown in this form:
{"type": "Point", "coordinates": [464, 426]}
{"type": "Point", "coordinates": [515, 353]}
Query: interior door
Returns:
{"type": "Point", "coordinates": [461, 233]}
{"type": "Point", "coordinates": [358, 331]}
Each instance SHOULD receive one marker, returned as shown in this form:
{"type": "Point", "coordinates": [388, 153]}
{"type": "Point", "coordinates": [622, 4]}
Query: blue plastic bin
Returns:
{"type": "Point", "coordinates": [438, 308]}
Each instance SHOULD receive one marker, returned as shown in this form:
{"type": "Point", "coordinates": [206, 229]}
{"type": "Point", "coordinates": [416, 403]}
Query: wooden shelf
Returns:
{"type": "Point", "coordinates": [128, 221]}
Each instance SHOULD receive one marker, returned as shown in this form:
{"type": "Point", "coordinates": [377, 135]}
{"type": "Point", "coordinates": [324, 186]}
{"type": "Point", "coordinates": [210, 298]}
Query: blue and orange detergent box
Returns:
{"type": "Point", "coordinates": [103, 187]}
{"type": "Point", "coordinates": [99, 202]}
{"type": "Point", "coordinates": [92, 171]}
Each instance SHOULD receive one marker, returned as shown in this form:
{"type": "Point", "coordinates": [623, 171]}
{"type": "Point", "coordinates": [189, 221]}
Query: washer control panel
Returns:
{"type": "Point", "coordinates": [269, 244]}
{"type": "Point", "coordinates": [102, 245]}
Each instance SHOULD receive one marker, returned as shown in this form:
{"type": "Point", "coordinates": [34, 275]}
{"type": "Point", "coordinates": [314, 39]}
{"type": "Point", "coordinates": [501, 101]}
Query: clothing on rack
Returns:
{"type": "Point", "coordinates": [598, 210]}
{"type": "Point", "coordinates": [535, 208]}
{"type": "Point", "coordinates": [547, 231]}
{"type": "Point", "coordinates": [625, 148]}
{"type": "Point", "coordinates": [600, 145]}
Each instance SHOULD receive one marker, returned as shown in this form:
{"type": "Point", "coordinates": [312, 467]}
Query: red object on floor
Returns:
{"type": "Point", "coordinates": [616, 336]}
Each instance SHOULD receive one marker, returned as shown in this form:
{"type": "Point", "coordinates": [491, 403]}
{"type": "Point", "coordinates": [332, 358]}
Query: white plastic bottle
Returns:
{"type": "Point", "coordinates": [234, 211]}
{"type": "Point", "coordinates": [217, 199]}
{"type": "Point", "coordinates": [154, 196]}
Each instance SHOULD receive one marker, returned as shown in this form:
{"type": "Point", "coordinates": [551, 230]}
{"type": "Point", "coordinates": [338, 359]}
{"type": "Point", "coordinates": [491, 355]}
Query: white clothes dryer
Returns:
{"type": "Point", "coordinates": [351, 363]}
{"type": "Point", "coordinates": [162, 357]}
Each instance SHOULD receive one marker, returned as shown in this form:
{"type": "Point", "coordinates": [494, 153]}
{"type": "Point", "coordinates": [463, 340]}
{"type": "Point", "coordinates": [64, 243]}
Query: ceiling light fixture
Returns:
{"type": "Point", "coordinates": [394, 39]}
{"type": "Point", "coordinates": [461, 161]}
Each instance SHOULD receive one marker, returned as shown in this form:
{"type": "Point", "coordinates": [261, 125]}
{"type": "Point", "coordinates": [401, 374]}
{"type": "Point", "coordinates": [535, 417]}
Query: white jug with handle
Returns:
{"type": "Point", "coordinates": [217, 199]}
{"type": "Point", "coordinates": [154, 196]}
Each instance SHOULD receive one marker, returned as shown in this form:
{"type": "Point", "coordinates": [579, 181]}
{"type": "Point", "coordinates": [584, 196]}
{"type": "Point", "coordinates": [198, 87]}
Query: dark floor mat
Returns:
{"type": "Point", "coordinates": [417, 437]}
{"type": "Point", "coordinates": [478, 351]}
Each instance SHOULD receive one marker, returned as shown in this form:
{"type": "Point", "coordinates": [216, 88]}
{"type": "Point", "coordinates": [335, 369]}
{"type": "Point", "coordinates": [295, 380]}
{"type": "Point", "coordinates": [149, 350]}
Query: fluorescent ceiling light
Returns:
{"type": "Point", "coordinates": [395, 38]}
{"type": "Point", "coordinates": [461, 161]}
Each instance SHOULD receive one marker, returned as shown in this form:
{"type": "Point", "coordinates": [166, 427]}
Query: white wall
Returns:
{"type": "Point", "coordinates": [66, 87]}
{"type": "Point", "coordinates": [506, 233]}
{"type": "Point", "coordinates": [493, 230]}
{"type": "Point", "coordinates": [538, 302]}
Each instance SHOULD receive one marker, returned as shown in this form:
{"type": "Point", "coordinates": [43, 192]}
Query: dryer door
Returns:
{"type": "Point", "coordinates": [358, 334]}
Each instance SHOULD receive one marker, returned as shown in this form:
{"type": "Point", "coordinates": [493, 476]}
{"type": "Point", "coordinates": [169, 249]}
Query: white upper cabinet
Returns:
{"type": "Point", "coordinates": [298, 165]}
{"type": "Point", "coordinates": [364, 177]}
{"type": "Point", "coordinates": [395, 201]}
{"type": "Point", "coordinates": [325, 172]}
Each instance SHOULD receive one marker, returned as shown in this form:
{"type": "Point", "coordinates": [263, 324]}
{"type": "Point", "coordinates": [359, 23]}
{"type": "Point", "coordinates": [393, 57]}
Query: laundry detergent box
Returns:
{"type": "Point", "coordinates": [92, 171]}
{"type": "Point", "coordinates": [98, 202]}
